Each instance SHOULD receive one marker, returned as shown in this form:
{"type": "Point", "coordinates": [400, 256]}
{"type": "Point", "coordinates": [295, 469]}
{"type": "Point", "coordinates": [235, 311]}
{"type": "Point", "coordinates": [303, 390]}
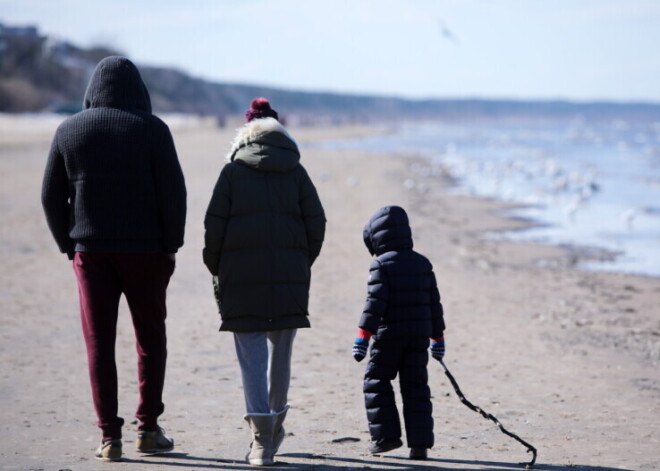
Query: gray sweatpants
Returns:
{"type": "Point", "coordinates": [265, 360]}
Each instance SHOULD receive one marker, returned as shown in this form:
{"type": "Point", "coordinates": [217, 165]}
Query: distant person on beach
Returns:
{"type": "Point", "coordinates": [402, 312]}
{"type": "Point", "coordinates": [264, 228]}
{"type": "Point", "coordinates": [115, 200]}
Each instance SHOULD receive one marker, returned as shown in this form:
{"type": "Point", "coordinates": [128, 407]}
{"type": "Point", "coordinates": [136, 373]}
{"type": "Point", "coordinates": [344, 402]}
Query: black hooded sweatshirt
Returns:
{"type": "Point", "coordinates": [403, 298]}
{"type": "Point", "coordinates": [113, 182]}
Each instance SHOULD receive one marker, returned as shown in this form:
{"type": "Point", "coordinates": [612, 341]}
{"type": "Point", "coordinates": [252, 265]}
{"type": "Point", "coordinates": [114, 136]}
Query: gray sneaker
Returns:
{"type": "Point", "coordinates": [109, 450]}
{"type": "Point", "coordinates": [154, 442]}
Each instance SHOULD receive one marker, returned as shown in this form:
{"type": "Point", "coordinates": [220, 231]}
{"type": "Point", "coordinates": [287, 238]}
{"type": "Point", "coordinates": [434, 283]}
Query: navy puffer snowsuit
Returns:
{"type": "Point", "coordinates": [403, 310]}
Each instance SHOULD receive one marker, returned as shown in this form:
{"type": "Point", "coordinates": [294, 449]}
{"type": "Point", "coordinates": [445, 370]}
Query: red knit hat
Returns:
{"type": "Point", "coordinates": [260, 108]}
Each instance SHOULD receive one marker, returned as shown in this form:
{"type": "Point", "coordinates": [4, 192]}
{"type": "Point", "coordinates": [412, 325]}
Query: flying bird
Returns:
{"type": "Point", "coordinates": [446, 32]}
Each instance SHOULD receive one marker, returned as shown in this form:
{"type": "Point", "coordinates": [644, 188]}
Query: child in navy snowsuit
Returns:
{"type": "Point", "coordinates": [402, 312]}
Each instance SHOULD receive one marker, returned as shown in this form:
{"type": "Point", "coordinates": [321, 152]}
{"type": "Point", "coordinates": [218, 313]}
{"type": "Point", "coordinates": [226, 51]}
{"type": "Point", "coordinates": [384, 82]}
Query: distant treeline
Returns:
{"type": "Point", "coordinates": [38, 74]}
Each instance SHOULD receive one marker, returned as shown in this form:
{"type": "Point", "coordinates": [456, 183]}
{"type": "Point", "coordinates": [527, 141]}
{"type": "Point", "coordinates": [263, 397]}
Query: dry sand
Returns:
{"type": "Point", "coordinates": [565, 358]}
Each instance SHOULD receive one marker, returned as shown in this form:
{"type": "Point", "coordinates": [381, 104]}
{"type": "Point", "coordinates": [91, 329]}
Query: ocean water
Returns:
{"type": "Point", "coordinates": [591, 184]}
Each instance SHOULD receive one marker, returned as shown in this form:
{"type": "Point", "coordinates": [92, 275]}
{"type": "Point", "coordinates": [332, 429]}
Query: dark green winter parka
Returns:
{"type": "Point", "coordinates": [264, 228]}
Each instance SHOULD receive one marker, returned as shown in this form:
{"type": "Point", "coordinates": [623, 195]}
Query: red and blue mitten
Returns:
{"type": "Point", "coordinates": [361, 344]}
{"type": "Point", "coordinates": [438, 348]}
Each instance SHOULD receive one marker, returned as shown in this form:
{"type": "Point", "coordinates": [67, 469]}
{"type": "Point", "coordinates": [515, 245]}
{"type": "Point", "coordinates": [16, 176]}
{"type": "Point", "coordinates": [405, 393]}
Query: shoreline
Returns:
{"type": "Point", "coordinates": [542, 256]}
{"type": "Point", "coordinates": [566, 359]}
{"type": "Point", "coordinates": [573, 257]}
{"type": "Point", "coordinates": [554, 193]}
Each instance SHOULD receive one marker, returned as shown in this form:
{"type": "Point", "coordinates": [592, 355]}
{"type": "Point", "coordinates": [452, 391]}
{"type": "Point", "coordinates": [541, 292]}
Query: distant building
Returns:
{"type": "Point", "coordinates": [25, 32]}
{"type": "Point", "coordinates": [19, 38]}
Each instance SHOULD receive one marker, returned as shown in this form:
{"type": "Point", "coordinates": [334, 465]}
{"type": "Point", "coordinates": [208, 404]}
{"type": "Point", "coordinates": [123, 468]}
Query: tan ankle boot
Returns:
{"type": "Point", "coordinates": [261, 452]}
{"type": "Point", "coordinates": [278, 429]}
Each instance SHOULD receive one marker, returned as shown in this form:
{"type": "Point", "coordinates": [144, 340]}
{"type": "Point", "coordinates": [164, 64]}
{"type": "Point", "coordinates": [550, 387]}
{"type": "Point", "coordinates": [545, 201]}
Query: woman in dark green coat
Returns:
{"type": "Point", "coordinates": [264, 228]}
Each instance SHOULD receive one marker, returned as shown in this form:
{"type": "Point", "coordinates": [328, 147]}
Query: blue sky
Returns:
{"type": "Point", "coordinates": [541, 49]}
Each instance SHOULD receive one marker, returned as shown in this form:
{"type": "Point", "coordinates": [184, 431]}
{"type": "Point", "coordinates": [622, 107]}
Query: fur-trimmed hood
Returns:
{"type": "Point", "coordinates": [266, 145]}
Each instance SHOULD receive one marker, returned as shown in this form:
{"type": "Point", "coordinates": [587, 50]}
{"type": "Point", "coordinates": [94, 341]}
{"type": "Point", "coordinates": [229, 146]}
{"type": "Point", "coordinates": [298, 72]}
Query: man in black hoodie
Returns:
{"type": "Point", "coordinates": [115, 201]}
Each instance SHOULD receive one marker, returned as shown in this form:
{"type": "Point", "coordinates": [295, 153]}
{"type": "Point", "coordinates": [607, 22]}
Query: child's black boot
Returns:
{"type": "Point", "coordinates": [418, 453]}
{"type": "Point", "coordinates": [385, 445]}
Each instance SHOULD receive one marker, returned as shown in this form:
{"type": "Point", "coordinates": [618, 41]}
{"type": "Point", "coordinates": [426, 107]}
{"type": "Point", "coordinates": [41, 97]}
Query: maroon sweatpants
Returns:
{"type": "Point", "coordinates": [143, 279]}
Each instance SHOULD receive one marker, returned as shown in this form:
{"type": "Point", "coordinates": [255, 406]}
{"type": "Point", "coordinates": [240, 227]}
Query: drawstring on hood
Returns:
{"type": "Point", "coordinates": [388, 229]}
{"type": "Point", "coordinates": [116, 83]}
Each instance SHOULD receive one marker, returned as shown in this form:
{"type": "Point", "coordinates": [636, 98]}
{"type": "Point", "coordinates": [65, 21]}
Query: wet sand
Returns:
{"type": "Point", "coordinates": [565, 358]}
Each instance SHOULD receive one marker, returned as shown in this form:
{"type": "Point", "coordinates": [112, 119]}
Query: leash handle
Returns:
{"type": "Point", "coordinates": [461, 396]}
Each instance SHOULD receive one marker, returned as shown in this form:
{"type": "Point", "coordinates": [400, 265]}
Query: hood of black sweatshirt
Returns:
{"type": "Point", "coordinates": [116, 83]}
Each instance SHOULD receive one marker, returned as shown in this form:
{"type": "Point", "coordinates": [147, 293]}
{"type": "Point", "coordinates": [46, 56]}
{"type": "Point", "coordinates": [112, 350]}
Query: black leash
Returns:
{"type": "Point", "coordinates": [486, 415]}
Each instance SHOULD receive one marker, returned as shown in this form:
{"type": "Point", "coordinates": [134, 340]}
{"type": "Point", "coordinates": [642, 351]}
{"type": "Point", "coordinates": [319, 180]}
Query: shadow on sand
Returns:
{"type": "Point", "coordinates": [309, 461]}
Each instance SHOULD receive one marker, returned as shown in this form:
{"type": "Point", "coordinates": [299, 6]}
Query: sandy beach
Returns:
{"type": "Point", "coordinates": [567, 359]}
